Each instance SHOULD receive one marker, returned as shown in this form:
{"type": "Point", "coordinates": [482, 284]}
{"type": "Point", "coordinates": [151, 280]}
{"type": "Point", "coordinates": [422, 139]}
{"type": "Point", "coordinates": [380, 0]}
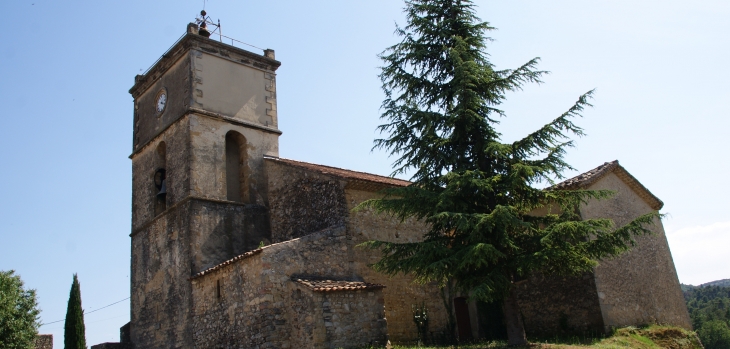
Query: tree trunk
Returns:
{"type": "Point", "coordinates": [448, 299]}
{"type": "Point", "coordinates": [513, 319]}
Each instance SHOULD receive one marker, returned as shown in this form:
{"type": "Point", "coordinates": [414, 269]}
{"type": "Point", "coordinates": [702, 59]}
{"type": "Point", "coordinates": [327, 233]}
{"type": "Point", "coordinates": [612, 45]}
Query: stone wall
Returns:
{"type": "Point", "coordinates": [222, 230]}
{"type": "Point", "coordinates": [195, 229]}
{"type": "Point", "coordinates": [160, 290]}
{"type": "Point", "coordinates": [208, 158]}
{"type": "Point", "coordinates": [303, 201]}
{"type": "Point", "coordinates": [226, 86]}
{"type": "Point", "coordinates": [306, 322]}
{"type": "Point", "coordinates": [43, 341]}
{"type": "Point", "coordinates": [560, 305]}
{"type": "Point", "coordinates": [353, 318]}
{"type": "Point", "coordinates": [637, 288]}
{"type": "Point", "coordinates": [253, 301]}
{"type": "Point", "coordinates": [189, 237]}
{"type": "Point", "coordinates": [641, 286]}
{"type": "Point", "coordinates": [401, 293]}
{"type": "Point", "coordinates": [148, 123]}
{"type": "Point", "coordinates": [146, 162]}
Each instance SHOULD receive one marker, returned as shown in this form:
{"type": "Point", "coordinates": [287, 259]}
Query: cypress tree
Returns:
{"type": "Point", "coordinates": [475, 192]}
{"type": "Point", "coordinates": [74, 329]}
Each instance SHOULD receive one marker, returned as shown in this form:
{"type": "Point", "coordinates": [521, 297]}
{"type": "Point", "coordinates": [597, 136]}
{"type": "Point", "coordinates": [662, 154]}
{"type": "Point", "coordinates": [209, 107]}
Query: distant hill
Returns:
{"type": "Point", "coordinates": [721, 283]}
{"type": "Point", "coordinates": [709, 310]}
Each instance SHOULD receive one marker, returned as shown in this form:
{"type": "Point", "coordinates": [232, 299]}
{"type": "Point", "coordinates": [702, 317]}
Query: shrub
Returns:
{"type": "Point", "coordinates": [18, 313]}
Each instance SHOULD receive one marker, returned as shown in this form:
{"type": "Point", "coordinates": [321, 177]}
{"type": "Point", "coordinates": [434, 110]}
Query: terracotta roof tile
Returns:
{"type": "Point", "coordinates": [587, 178]}
{"type": "Point", "coordinates": [228, 262]}
{"type": "Point", "coordinates": [343, 173]}
{"type": "Point", "coordinates": [584, 180]}
{"type": "Point", "coordinates": [322, 285]}
{"type": "Point", "coordinates": [255, 252]}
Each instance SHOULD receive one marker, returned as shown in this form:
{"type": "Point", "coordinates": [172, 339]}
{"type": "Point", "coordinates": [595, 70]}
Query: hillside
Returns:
{"type": "Point", "coordinates": [709, 310]}
{"type": "Point", "coordinates": [721, 283]}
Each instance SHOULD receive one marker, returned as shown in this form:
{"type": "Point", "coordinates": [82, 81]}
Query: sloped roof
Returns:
{"type": "Point", "coordinates": [252, 253]}
{"type": "Point", "coordinates": [358, 180]}
{"type": "Point", "coordinates": [369, 181]}
{"type": "Point", "coordinates": [228, 262]}
{"type": "Point", "coordinates": [586, 179]}
{"type": "Point", "coordinates": [321, 285]}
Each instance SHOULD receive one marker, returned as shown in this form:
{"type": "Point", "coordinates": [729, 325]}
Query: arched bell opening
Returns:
{"type": "Point", "coordinates": [236, 184]}
{"type": "Point", "coordinates": [160, 179]}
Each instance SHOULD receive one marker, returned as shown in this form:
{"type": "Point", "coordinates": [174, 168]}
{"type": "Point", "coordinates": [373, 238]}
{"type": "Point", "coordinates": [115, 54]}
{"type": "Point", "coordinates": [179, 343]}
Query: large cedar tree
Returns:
{"type": "Point", "coordinates": [474, 191]}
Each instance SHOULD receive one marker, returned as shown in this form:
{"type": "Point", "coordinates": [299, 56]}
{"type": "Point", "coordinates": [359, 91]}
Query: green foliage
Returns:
{"type": "Point", "coordinates": [715, 334]}
{"type": "Point", "coordinates": [475, 192]}
{"type": "Point", "coordinates": [709, 309]}
{"type": "Point", "coordinates": [74, 329]}
{"type": "Point", "coordinates": [18, 313]}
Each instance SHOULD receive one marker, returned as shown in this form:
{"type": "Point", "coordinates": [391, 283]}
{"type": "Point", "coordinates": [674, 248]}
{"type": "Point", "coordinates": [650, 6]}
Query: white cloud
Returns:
{"type": "Point", "coordinates": [701, 253]}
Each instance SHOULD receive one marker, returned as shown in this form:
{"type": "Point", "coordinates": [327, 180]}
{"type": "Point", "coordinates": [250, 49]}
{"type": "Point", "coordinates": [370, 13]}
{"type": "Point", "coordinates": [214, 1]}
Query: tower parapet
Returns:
{"type": "Point", "coordinates": [198, 74]}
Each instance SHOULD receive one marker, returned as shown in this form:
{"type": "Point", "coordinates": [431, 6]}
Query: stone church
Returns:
{"type": "Point", "coordinates": [234, 246]}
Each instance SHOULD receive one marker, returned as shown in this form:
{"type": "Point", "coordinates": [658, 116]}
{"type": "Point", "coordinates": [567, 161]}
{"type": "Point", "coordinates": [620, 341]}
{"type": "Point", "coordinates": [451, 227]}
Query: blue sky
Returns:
{"type": "Point", "coordinates": [661, 109]}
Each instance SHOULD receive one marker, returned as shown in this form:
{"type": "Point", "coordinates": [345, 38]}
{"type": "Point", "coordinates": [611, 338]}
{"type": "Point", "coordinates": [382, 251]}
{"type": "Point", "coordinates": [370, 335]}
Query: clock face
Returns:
{"type": "Point", "coordinates": [161, 101]}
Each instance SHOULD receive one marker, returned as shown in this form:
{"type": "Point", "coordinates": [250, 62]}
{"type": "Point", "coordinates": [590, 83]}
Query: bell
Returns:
{"type": "Point", "coordinates": [203, 31]}
{"type": "Point", "coordinates": [163, 190]}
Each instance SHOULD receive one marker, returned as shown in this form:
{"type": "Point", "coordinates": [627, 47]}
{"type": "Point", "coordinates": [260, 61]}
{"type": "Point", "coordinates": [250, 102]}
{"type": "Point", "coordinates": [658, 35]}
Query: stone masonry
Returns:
{"type": "Point", "coordinates": [241, 248]}
{"type": "Point", "coordinates": [261, 299]}
{"type": "Point", "coordinates": [43, 341]}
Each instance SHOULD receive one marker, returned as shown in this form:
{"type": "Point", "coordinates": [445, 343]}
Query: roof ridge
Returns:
{"type": "Point", "coordinates": [242, 256]}
{"type": "Point", "coordinates": [332, 167]}
{"type": "Point", "coordinates": [310, 164]}
{"type": "Point", "coordinates": [589, 177]}
{"type": "Point", "coordinates": [582, 180]}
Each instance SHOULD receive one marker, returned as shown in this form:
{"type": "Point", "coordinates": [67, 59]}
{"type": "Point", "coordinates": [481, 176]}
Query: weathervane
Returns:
{"type": "Point", "coordinates": [203, 21]}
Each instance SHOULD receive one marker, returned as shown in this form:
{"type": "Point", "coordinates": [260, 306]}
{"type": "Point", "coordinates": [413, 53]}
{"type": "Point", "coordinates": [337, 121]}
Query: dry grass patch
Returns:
{"type": "Point", "coordinates": [652, 337]}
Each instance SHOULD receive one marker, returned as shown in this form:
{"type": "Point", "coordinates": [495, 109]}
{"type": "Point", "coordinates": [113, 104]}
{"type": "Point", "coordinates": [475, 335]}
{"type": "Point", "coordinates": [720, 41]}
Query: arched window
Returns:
{"type": "Point", "coordinates": [160, 179]}
{"type": "Point", "coordinates": [235, 165]}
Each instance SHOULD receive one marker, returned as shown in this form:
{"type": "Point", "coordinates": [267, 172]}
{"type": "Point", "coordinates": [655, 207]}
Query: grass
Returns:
{"type": "Point", "coordinates": [651, 337]}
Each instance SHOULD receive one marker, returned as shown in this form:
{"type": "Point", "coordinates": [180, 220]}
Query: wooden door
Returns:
{"type": "Point", "coordinates": [463, 323]}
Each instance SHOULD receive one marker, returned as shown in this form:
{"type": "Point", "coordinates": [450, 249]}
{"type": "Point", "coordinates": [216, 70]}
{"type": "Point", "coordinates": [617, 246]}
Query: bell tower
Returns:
{"type": "Point", "coordinates": [204, 118]}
